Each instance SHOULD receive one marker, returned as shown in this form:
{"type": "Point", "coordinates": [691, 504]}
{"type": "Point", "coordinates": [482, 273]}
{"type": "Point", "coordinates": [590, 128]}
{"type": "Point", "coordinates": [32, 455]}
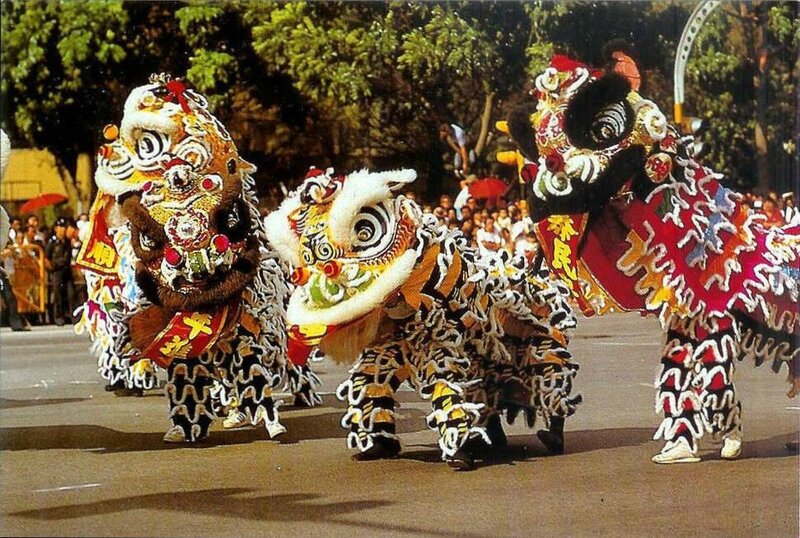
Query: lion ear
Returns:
{"type": "Point", "coordinates": [280, 232]}
{"type": "Point", "coordinates": [625, 66]}
{"type": "Point", "coordinates": [619, 56]}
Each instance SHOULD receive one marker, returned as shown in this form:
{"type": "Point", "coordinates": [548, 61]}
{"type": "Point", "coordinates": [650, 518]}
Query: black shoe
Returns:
{"type": "Point", "coordinates": [116, 386]}
{"type": "Point", "coordinates": [474, 448]}
{"type": "Point", "coordinates": [553, 441]}
{"type": "Point", "coordinates": [793, 447]}
{"type": "Point", "coordinates": [382, 449]}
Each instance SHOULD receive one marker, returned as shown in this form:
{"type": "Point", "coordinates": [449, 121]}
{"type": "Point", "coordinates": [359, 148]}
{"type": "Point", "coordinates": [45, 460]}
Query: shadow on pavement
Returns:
{"type": "Point", "coordinates": [236, 503]}
{"type": "Point", "coordinates": [5, 403]}
{"type": "Point", "coordinates": [102, 440]}
{"type": "Point", "coordinates": [525, 447]}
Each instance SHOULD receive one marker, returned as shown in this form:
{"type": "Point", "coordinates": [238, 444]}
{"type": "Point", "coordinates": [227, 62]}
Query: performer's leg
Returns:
{"type": "Point", "coordinates": [253, 383]}
{"type": "Point", "coordinates": [303, 383]}
{"type": "Point", "coordinates": [441, 379]}
{"type": "Point", "coordinates": [553, 399]}
{"type": "Point", "coordinates": [722, 410]}
{"type": "Point", "coordinates": [369, 393]}
{"type": "Point", "coordinates": [679, 400]}
{"type": "Point", "coordinates": [10, 302]}
{"type": "Point", "coordinates": [189, 392]}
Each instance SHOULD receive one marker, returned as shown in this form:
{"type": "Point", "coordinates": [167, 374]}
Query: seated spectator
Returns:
{"type": "Point", "coordinates": [488, 239]}
{"type": "Point", "coordinates": [790, 213]}
{"type": "Point", "coordinates": [774, 217]}
{"type": "Point", "coordinates": [83, 226]}
{"type": "Point", "coordinates": [15, 228]}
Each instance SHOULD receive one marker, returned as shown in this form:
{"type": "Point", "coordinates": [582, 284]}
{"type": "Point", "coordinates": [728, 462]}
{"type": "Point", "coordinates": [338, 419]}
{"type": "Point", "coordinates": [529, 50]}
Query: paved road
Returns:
{"type": "Point", "coordinates": [78, 461]}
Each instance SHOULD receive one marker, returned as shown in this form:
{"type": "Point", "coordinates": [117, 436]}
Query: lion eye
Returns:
{"type": "Point", "coordinates": [609, 123]}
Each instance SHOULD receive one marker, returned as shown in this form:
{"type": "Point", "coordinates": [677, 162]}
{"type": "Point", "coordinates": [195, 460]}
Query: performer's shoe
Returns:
{"type": "Point", "coordinates": [235, 419]}
{"type": "Point", "coordinates": [175, 435]}
{"type": "Point", "coordinates": [474, 448]}
{"type": "Point", "coordinates": [120, 384]}
{"type": "Point", "coordinates": [731, 447]}
{"type": "Point", "coordinates": [463, 459]}
{"type": "Point", "coordinates": [274, 427]}
{"type": "Point", "coordinates": [679, 451]}
{"type": "Point", "coordinates": [552, 441]}
{"type": "Point", "coordinates": [383, 448]}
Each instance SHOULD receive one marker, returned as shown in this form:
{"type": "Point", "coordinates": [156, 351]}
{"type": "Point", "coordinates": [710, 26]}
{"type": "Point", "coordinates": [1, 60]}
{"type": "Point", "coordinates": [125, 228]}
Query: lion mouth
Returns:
{"type": "Point", "coordinates": [201, 294]}
{"type": "Point", "coordinates": [305, 309]}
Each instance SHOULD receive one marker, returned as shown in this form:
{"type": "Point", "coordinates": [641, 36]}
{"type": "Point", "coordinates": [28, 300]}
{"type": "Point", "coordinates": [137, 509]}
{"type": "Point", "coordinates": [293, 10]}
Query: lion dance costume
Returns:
{"type": "Point", "coordinates": [382, 285]}
{"type": "Point", "coordinates": [631, 222]}
{"type": "Point", "coordinates": [181, 273]}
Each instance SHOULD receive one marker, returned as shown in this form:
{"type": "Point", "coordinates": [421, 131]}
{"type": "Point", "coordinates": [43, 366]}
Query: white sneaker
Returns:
{"type": "Point", "coordinates": [274, 428]}
{"type": "Point", "coordinates": [235, 419]}
{"type": "Point", "coordinates": [679, 451]}
{"type": "Point", "coordinates": [175, 435]}
{"type": "Point", "coordinates": [731, 447]}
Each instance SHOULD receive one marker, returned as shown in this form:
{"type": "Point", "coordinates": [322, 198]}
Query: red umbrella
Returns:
{"type": "Point", "coordinates": [43, 200]}
{"type": "Point", "coordinates": [488, 188]}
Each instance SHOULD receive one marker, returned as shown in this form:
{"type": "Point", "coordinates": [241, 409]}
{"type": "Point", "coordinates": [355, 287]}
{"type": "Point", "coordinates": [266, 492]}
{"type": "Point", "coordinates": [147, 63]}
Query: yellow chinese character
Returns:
{"type": "Point", "coordinates": [561, 259]}
{"type": "Point", "coordinates": [562, 225]}
{"type": "Point", "coordinates": [178, 347]}
{"type": "Point", "coordinates": [102, 254]}
{"type": "Point", "coordinates": [198, 323]}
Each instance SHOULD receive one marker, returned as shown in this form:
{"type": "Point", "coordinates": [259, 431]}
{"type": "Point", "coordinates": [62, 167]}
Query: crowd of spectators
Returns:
{"type": "Point", "coordinates": [506, 225]}
{"type": "Point", "coordinates": [32, 246]}
{"type": "Point", "coordinates": [489, 225]}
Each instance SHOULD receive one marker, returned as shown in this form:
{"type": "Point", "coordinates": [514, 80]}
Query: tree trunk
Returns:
{"type": "Point", "coordinates": [758, 53]}
{"type": "Point", "coordinates": [486, 118]}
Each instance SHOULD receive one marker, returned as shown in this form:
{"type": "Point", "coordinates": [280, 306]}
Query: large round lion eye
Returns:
{"type": "Point", "coordinates": [150, 146]}
{"type": "Point", "coordinates": [609, 124]}
{"type": "Point", "coordinates": [373, 230]}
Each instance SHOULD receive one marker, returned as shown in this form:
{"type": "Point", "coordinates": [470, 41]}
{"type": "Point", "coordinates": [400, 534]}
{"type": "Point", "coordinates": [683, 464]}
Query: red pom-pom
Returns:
{"type": "Point", "coordinates": [299, 276]}
{"type": "Point", "coordinates": [529, 172]}
{"type": "Point", "coordinates": [221, 243]}
{"type": "Point", "coordinates": [207, 183]}
{"type": "Point", "coordinates": [172, 256]}
{"type": "Point", "coordinates": [554, 162]}
{"type": "Point", "coordinates": [332, 269]}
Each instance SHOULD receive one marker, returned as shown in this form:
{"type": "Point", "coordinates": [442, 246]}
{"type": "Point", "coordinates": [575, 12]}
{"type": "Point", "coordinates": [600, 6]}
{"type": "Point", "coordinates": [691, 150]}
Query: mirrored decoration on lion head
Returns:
{"type": "Point", "coordinates": [176, 172]}
{"type": "Point", "coordinates": [350, 240]}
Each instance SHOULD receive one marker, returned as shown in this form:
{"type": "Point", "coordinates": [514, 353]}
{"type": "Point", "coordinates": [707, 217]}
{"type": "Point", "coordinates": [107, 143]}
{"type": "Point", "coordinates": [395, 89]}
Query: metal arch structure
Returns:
{"type": "Point", "coordinates": [690, 32]}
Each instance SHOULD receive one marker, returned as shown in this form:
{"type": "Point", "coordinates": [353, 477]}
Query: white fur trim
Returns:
{"type": "Point", "coordinates": [5, 152]}
{"type": "Point", "coordinates": [280, 234]}
{"type": "Point", "coordinates": [113, 186]}
{"type": "Point", "coordinates": [358, 305]}
{"type": "Point", "coordinates": [133, 120]}
{"type": "Point", "coordinates": [361, 189]}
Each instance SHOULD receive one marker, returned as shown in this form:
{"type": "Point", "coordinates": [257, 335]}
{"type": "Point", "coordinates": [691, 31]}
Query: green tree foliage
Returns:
{"type": "Point", "coordinates": [356, 84]}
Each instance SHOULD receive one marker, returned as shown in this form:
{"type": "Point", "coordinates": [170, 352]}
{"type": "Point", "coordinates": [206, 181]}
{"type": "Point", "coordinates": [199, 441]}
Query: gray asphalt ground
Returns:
{"type": "Point", "coordinates": [77, 461]}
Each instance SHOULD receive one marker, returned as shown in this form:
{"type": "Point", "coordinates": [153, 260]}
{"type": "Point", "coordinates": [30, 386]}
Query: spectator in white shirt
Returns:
{"type": "Point", "coordinates": [488, 239]}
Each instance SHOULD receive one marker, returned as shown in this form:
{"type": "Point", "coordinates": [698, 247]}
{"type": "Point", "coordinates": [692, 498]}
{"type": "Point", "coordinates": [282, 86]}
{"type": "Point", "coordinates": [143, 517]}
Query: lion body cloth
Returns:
{"type": "Point", "coordinates": [630, 221]}
{"type": "Point", "coordinates": [180, 274]}
{"type": "Point", "coordinates": [383, 286]}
